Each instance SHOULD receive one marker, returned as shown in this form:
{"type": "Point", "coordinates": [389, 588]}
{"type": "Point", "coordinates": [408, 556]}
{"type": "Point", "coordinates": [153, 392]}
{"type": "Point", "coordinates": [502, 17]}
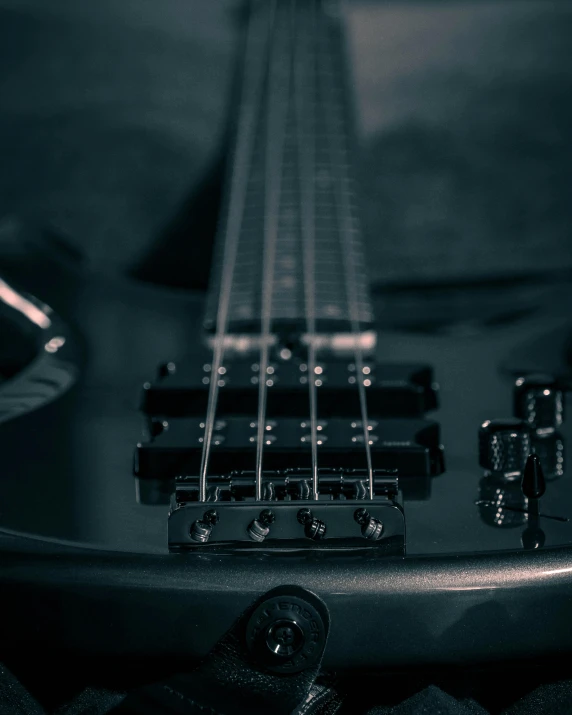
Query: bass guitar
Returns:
{"type": "Point", "coordinates": [417, 483]}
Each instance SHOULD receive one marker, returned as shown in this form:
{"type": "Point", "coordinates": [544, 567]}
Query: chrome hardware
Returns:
{"type": "Point", "coordinates": [202, 528]}
{"type": "Point", "coordinates": [504, 446]}
{"type": "Point", "coordinates": [313, 528]}
{"type": "Point", "coordinates": [259, 529]}
{"type": "Point", "coordinates": [370, 528]}
{"type": "Point", "coordinates": [539, 401]}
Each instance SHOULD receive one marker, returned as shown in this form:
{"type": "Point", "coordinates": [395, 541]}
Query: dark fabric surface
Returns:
{"type": "Point", "coordinates": [551, 699]}
{"type": "Point", "coordinates": [14, 698]}
{"type": "Point", "coordinates": [113, 113]}
{"type": "Point", "coordinates": [231, 679]}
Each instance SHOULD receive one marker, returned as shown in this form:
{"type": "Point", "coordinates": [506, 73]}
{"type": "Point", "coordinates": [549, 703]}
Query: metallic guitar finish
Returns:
{"type": "Point", "coordinates": [383, 612]}
{"type": "Point", "coordinates": [89, 556]}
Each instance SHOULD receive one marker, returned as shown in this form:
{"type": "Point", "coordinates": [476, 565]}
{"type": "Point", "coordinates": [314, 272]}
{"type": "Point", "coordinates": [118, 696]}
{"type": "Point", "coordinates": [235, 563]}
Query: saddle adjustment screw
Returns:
{"type": "Point", "coordinates": [371, 528]}
{"type": "Point", "coordinates": [313, 528]}
{"type": "Point", "coordinates": [202, 528]}
{"type": "Point", "coordinates": [259, 528]}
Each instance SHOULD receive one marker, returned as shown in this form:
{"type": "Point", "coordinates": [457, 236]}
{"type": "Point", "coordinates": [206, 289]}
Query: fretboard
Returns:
{"type": "Point", "coordinates": [289, 236]}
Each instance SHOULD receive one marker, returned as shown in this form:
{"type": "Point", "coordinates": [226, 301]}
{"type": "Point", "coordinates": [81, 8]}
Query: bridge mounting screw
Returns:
{"type": "Point", "coordinates": [259, 529]}
{"type": "Point", "coordinates": [371, 528]}
{"type": "Point", "coordinates": [313, 528]}
{"type": "Point", "coordinates": [202, 528]}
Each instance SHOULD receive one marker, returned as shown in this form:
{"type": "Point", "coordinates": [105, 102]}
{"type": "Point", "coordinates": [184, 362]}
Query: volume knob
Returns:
{"type": "Point", "coordinates": [504, 446]}
{"type": "Point", "coordinates": [539, 401]}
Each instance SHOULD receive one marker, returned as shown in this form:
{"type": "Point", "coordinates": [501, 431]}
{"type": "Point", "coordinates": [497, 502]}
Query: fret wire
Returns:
{"type": "Point", "coordinates": [276, 128]}
{"type": "Point", "coordinates": [253, 70]}
{"type": "Point", "coordinates": [351, 282]}
{"type": "Point", "coordinates": [306, 159]}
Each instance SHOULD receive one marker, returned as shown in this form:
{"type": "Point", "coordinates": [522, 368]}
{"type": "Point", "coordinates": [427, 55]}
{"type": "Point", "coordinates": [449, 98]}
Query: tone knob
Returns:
{"type": "Point", "coordinates": [550, 449]}
{"type": "Point", "coordinates": [504, 446]}
{"type": "Point", "coordinates": [539, 401]}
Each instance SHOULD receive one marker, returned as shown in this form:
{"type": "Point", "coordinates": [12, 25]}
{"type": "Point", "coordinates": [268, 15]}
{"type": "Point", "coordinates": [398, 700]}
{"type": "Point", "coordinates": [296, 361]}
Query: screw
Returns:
{"type": "Point", "coordinates": [200, 531]}
{"type": "Point", "coordinates": [361, 516]}
{"type": "Point", "coordinates": [267, 517]}
{"type": "Point", "coordinates": [284, 635]}
{"type": "Point", "coordinates": [259, 529]}
{"type": "Point", "coordinates": [371, 528]}
{"type": "Point", "coordinates": [211, 517]}
{"type": "Point", "coordinates": [313, 528]}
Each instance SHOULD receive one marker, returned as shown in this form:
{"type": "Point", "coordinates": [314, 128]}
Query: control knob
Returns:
{"type": "Point", "coordinates": [539, 401]}
{"type": "Point", "coordinates": [504, 446]}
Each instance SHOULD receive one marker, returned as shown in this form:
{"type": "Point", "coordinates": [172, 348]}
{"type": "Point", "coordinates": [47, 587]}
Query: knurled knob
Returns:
{"type": "Point", "coordinates": [539, 401]}
{"type": "Point", "coordinates": [550, 449]}
{"type": "Point", "coordinates": [504, 446]}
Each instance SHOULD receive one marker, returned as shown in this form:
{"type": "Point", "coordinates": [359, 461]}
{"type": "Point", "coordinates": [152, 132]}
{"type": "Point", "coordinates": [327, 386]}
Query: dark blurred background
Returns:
{"type": "Point", "coordinates": [114, 113]}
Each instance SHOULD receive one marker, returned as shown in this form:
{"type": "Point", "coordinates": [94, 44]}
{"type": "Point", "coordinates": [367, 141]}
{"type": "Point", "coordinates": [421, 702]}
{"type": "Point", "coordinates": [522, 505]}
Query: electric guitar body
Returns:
{"type": "Point", "coordinates": [417, 481]}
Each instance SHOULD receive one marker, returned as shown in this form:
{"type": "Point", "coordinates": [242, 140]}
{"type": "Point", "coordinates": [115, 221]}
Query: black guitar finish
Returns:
{"type": "Point", "coordinates": [486, 572]}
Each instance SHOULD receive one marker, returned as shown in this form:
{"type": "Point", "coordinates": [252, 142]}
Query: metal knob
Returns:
{"type": "Point", "coordinates": [539, 401]}
{"type": "Point", "coordinates": [550, 449]}
{"type": "Point", "coordinates": [504, 446]}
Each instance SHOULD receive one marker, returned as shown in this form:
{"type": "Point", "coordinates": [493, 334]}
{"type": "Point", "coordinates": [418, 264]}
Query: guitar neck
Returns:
{"type": "Point", "coordinates": [289, 242]}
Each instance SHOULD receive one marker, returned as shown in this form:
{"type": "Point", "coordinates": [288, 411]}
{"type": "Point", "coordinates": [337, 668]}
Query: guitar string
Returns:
{"type": "Point", "coordinates": [304, 67]}
{"type": "Point", "coordinates": [253, 75]}
{"type": "Point", "coordinates": [276, 130]}
{"type": "Point", "coordinates": [345, 221]}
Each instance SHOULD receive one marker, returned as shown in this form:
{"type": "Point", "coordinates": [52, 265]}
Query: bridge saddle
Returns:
{"type": "Point", "coordinates": [343, 516]}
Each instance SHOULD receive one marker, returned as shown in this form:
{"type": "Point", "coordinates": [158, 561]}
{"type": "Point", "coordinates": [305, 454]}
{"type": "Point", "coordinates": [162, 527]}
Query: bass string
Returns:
{"type": "Point", "coordinates": [304, 68]}
{"type": "Point", "coordinates": [253, 76]}
{"type": "Point", "coordinates": [346, 225]}
{"type": "Point", "coordinates": [277, 105]}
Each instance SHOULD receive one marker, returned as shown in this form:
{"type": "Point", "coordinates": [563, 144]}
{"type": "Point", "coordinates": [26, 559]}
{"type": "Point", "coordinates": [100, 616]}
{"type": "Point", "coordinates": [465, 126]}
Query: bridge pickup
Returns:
{"type": "Point", "coordinates": [393, 390]}
{"type": "Point", "coordinates": [411, 447]}
{"type": "Point", "coordinates": [271, 525]}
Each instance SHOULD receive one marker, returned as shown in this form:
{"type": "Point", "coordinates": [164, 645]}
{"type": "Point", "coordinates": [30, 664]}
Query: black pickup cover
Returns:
{"type": "Point", "coordinates": [393, 390]}
{"type": "Point", "coordinates": [412, 447]}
